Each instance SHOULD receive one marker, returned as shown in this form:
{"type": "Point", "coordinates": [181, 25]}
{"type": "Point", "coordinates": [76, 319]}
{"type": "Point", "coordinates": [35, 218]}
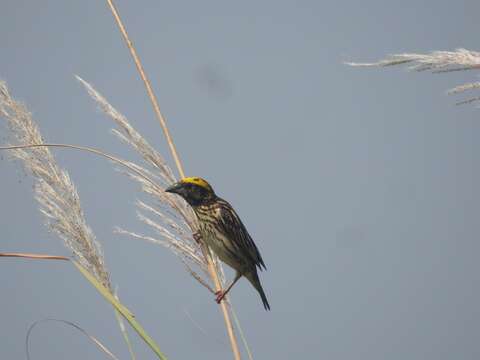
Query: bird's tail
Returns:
{"type": "Point", "coordinates": [255, 281]}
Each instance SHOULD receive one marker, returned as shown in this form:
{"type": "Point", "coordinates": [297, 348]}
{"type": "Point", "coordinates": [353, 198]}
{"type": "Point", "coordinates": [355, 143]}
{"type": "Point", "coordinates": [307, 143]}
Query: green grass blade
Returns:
{"type": "Point", "coordinates": [123, 330]}
{"type": "Point", "coordinates": [122, 310]}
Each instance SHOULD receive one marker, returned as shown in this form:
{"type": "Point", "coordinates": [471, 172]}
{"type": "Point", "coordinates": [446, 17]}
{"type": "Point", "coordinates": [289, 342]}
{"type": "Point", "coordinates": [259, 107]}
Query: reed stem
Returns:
{"type": "Point", "coordinates": [211, 268]}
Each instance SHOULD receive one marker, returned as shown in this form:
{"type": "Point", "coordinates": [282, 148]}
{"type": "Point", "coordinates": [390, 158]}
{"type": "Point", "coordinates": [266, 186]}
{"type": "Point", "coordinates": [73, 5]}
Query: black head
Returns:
{"type": "Point", "coordinates": [194, 190]}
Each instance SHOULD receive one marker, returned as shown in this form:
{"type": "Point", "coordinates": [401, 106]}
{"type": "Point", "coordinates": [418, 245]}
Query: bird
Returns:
{"type": "Point", "coordinates": [223, 232]}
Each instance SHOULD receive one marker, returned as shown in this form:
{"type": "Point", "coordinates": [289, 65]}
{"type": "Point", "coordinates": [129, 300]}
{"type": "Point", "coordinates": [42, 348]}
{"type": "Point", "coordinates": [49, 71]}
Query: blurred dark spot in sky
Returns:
{"type": "Point", "coordinates": [212, 79]}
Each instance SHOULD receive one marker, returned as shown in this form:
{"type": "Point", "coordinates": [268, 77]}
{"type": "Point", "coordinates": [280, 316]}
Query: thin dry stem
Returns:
{"type": "Point", "coordinates": [124, 163]}
{"type": "Point", "coordinates": [92, 338]}
{"type": "Point", "coordinates": [240, 330]}
{"type": "Point", "coordinates": [148, 87]}
{"type": "Point", "coordinates": [34, 256]}
{"type": "Point", "coordinates": [156, 107]}
{"type": "Point", "coordinates": [180, 241]}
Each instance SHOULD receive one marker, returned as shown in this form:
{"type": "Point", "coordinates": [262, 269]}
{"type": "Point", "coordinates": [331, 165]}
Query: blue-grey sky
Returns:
{"type": "Point", "coordinates": [358, 185]}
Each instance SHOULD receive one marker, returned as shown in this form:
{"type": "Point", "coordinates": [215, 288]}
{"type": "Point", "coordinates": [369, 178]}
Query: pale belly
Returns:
{"type": "Point", "coordinates": [220, 246]}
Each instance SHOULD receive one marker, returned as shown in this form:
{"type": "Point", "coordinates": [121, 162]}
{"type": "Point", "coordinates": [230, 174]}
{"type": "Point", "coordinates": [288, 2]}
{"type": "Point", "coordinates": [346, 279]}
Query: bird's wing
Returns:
{"type": "Point", "coordinates": [234, 229]}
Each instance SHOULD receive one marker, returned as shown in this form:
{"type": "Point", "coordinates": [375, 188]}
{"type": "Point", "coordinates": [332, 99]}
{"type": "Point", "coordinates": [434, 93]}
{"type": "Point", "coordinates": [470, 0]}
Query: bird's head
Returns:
{"type": "Point", "coordinates": [196, 191]}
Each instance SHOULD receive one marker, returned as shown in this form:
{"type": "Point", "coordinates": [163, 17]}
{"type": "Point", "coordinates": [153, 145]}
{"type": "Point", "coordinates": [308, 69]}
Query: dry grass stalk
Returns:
{"type": "Point", "coordinates": [175, 231]}
{"type": "Point", "coordinates": [148, 87]}
{"type": "Point", "coordinates": [436, 62]}
{"type": "Point", "coordinates": [212, 265]}
{"type": "Point", "coordinates": [92, 338]}
{"type": "Point", "coordinates": [54, 190]}
{"type": "Point", "coordinates": [212, 269]}
{"type": "Point", "coordinates": [34, 256]}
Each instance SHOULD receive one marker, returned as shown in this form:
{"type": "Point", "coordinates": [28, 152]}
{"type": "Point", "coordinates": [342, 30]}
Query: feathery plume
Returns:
{"type": "Point", "coordinates": [436, 62]}
{"type": "Point", "coordinates": [169, 217]}
{"type": "Point", "coordinates": [54, 190]}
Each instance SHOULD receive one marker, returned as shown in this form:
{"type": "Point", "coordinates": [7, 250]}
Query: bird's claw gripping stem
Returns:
{"type": "Point", "coordinates": [220, 294]}
{"type": "Point", "coordinates": [197, 237]}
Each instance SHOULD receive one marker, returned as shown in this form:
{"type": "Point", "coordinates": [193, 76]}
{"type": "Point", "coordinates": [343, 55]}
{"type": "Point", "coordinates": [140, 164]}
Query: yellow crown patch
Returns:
{"type": "Point", "coordinates": [197, 181]}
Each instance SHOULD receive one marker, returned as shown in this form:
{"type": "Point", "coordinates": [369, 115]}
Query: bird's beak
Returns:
{"type": "Point", "coordinates": [175, 188]}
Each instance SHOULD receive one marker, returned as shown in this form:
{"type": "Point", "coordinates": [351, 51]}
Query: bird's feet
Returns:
{"type": "Point", "coordinates": [197, 237]}
{"type": "Point", "coordinates": [220, 294]}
